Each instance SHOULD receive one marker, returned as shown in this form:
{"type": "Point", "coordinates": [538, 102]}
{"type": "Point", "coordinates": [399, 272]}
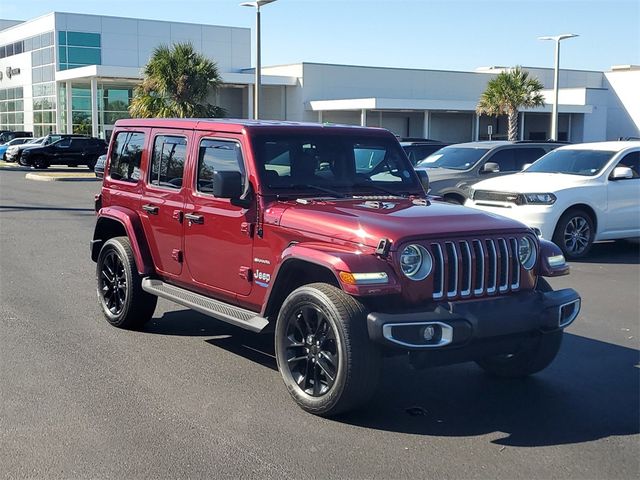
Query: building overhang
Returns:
{"type": "Point", "coordinates": [134, 74]}
{"type": "Point", "coordinates": [420, 105]}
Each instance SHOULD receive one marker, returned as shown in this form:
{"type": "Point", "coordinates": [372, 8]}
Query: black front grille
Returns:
{"type": "Point", "coordinates": [495, 196]}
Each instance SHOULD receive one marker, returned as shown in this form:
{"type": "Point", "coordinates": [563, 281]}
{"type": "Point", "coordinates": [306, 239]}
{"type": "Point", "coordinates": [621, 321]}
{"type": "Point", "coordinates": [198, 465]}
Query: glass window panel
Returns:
{"type": "Point", "coordinates": [48, 73]}
{"type": "Point", "coordinates": [19, 105]}
{"type": "Point", "coordinates": [3, 106]}
{"type": "Point", "coordinates": [87, 56]}
{"type": "Point", "coordinates": [11, 106]}
{"type": "Point", "coordinates": [11, 118]}
{"type": "Point", "coordinates": [3, 118]}
{"type": "Point", "coordinates": [19, 117]}
{"type": "Point", "coordinates": [80, 91]}
{"type": "Point", "coordinates": [111, 117]}
{"type": "Point", "coordinates": [80, 103]}
{"type": "Point", "coordinates": [62, 54]}
{"type": "Point", "coordinates": [3, 51]}
{"type": "Point", "coordinates": [19, 92]}
{"type": "Point", "coordinates": [81, 39]}
{"type": "Point", "coordinates": [36, 58]}
{"type": "Point", "coordinates": [215, 155]}
{"type": "Point", "coordinates": [28, 44]}
{"type": "Point", "coordinates": [37, 117]}
{"type": "Point", "coordinates": [37, 42]}
{"type": "Point", "coordinates": [63, 66]}
{"type": "Point", "coordinates": [48, 117]}
{"type": "Point", "coordinates": [9, 49]}
{"type": "Point", "coordinates": [167, 166]}
{"type": "Point", "coordinates": [62, 37]}
{"type": "Point", "coordinates": [3, 94]}
{"type": "Point", "coordinates": [36, 75]}
{"type": "Point", "coordinates": [126, 154]}
{"type": "Point", "coordinates": [47, 39]}
{"type": "Point", "coordinates": [11, 94]}
{"type": "Point", "coordinates": [18, 47]}
{"type": "Point", "coordinates": [47, 56]}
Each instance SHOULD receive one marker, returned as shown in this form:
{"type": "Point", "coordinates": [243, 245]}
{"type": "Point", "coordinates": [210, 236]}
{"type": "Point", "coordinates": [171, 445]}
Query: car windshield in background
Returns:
{"type": "Point", "coordinates": [333, 164]}
{"type": "Point", "coordinates": [572, 162]}
{"type": "Point", "coordinates": [455, 158]}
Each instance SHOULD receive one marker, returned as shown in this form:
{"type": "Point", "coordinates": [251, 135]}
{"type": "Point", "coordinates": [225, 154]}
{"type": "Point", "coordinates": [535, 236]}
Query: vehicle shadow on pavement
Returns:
{"type": "Point", "coordinates": [591, 391]}
{"type": "Point", "coordinates": [619, 252]}
{"type": "Point", "coordinates": [258, 348]}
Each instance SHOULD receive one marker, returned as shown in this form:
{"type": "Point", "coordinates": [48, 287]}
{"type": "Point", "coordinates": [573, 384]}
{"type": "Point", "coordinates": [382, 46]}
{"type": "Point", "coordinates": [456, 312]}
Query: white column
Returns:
{"type": "Point", "coordinates": [319, 116]}
{"type": "Point", "coordinates": [521, 126]}
{"type": "Point", "coordinates": [249, 101]}
{"type": "Point", "coordinates": [67, 85]}
{"type": "Point", "coordinates": [94, 107]}
{"type": "Point", "coordinates": [363, 117]}
{"type": "Point", "coordinates": [476, 133]}
{"type": "Point", "coordinates": [425, 125]}
{"type": "Point", "coordinates": [58, 110]}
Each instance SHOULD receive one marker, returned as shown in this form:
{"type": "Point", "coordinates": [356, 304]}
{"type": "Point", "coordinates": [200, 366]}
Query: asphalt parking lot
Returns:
{"type": "Point", "coordinates": [189, 397]}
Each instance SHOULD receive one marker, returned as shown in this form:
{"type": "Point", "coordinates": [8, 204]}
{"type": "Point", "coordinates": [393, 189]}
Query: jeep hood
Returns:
{"type": "Point", "coordinates": [366, 221]}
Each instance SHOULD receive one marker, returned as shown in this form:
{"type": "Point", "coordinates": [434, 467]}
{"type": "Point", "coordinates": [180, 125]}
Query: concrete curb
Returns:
{"type": "Point", "coordinates": [49, 178]}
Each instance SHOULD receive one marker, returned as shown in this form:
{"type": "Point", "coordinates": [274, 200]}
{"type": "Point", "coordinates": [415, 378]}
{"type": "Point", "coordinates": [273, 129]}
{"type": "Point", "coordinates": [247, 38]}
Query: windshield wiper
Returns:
{"type": "Point", "coordinates": [370, 184]}
{"type": "Point", "coordinates": [333, 193]}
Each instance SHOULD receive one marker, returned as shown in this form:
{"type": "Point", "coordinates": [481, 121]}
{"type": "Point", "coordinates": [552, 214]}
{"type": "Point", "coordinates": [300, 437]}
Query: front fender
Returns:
{"type": "Point", "coordinates": [132, 226]}
{"type": "Point", "coordinates": [548, 250]}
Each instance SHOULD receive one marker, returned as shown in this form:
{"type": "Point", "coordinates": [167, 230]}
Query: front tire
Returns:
{"type": "Point", "coordinates": [40, 163]}
{"type": "Point", "coordinates": [323, 350]}
{"type": "Point", "coordinates": [574, 233]}
{"type": "Point", "coordinates": [123, 301]}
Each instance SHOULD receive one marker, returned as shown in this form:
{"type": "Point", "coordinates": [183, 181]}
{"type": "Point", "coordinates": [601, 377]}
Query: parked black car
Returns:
{"type": "Point", "coordinates": [99, 168]}
{"type": "Point", "coordinates": [71, 151]}
{"type": "Point", "coordinates": [8, 135]}
{"type": "Point", "coordinates": [453, 169]}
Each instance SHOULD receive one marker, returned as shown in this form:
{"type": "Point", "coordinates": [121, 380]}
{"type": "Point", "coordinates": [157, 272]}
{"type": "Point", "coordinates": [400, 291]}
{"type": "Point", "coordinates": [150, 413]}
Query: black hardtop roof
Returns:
{"type": "Point", "coordinates": [238, 125]}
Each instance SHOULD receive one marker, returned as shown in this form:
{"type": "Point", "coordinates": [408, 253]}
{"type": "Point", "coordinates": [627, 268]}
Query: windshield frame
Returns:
{"type": "Point", "coordinates": [408, 185]}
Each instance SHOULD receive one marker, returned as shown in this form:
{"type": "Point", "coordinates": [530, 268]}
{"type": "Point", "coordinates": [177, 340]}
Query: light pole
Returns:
{"type": "Point", "coordinates": [556, 75]}
{"type": "Point", "coordinates": [257, 4]}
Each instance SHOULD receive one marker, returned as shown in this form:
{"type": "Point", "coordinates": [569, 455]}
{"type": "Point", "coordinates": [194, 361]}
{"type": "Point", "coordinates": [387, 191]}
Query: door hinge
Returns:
{"type": "Point", "coordinates": [247, 228]}
{"type": "Point", "coordinates": [176, 255]}
{"type": "Point", "coordinates": [246, 273]}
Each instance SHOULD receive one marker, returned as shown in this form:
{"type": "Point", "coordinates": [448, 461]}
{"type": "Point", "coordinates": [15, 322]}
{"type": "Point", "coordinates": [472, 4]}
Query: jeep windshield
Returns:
{"type": "Point", "coordinates": [455, 158]}
{"type": "Point", "coordinates": [572, 162]}
{"type": "Point", "coordinates": [336, 164]}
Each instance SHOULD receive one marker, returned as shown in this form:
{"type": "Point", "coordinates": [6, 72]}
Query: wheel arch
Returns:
{"type": "Point", "coordinates": [581, 206]}
{"type": "Point", "coordinates": [118, 221]}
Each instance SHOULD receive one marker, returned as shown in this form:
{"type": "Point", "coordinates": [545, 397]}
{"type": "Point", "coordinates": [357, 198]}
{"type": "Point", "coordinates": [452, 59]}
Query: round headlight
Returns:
{"type": "Point", "coordinates": [416, 262]}
{"type": "Point", "coordinates": [527, 253]}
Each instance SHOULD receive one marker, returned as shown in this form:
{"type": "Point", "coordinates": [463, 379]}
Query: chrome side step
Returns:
{"type": "Point", "coordinates": [214, 308]}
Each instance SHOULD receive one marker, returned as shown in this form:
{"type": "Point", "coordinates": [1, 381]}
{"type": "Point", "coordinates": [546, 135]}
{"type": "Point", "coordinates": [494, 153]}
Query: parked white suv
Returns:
{"type": "Point", "coordinates": [574, 195]}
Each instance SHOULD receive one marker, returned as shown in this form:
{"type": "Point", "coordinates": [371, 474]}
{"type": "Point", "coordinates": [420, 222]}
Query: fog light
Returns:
{"type": "Point", "coordinates": [429, 332]}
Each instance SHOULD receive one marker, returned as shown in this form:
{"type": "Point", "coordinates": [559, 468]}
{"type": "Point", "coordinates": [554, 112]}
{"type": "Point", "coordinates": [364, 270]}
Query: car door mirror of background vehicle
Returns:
{"type": "Point", "coordinates": [490, 167]}
{"type": "Point", "coordinates": [424, 179]}
{"type": "Point", "coordinates": [621, 173]}
{"type": "Point", "coordinates": [526, 165]}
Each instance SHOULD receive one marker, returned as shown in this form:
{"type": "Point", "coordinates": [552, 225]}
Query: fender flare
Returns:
{"type": "Point", "coordinates": [550, 249]}
{"type": "Point", "coordinates": [132, 226]}
{"type": "Point", "coordinates": [334, 259]}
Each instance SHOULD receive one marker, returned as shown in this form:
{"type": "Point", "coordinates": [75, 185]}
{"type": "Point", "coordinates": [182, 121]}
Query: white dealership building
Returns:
{"type": "Point", "coordinates": [68, 72]}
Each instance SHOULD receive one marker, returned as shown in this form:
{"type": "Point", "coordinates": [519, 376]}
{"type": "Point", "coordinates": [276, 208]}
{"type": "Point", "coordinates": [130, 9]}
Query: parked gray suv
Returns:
{"type": "Point", "coordinates": [453, 169]}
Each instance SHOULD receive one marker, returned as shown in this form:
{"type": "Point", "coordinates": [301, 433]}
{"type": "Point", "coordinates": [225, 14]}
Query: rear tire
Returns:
{"type": "Point", "coordinates": [323, 350]}
{"type": "Point", "coordinates": [123, 301]}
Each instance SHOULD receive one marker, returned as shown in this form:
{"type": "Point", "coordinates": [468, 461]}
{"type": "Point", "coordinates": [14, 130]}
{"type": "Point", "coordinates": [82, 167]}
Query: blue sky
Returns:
{"type": "Point", "coordinates": [451, 35]}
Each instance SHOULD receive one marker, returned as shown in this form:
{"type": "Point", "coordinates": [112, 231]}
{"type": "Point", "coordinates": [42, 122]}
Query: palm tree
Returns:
{"type": "Point", "coordinates": [507, 93]}
{"type": "Point", "coordinates": [177, 81]}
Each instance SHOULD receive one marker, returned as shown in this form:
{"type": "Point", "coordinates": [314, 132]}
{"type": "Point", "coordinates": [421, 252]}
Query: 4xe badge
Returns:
{"type": "Point", "coordinates": [262, 278]}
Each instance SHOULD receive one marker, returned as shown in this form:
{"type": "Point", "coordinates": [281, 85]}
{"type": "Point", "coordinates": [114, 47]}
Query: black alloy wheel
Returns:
{"type": "Point", "coordinates": [112, 283]}
{"type": "Point", "coordinates": [326, 359]}
{"type": "Point", "coordinates": [312, 351]}
{"type": "Point", "coordinates": [574, 233]}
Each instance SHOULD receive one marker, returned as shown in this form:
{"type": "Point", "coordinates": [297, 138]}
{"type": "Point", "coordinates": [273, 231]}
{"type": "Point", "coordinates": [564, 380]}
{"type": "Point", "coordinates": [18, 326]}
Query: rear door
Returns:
{"type": "Point", "coordinates": [218, 242]}
{"type": "Point", "coordinates": [162, 202]}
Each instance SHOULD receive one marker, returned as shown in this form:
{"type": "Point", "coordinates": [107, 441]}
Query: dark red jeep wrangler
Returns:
{"type": "Point", "coordinates": [325, 235]}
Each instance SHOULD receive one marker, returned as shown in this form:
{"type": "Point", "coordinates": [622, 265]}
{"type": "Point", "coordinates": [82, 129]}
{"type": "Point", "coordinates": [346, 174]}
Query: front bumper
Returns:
{"type": "Point", "coordinates": [542, 217]}
{"type": "Point", "coordinates": [472, 323]}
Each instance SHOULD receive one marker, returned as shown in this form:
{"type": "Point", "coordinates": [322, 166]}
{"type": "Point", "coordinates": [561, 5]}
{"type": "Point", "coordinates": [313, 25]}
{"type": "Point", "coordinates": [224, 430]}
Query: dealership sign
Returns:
{"type": "Point", "coordinates": [10, 72]}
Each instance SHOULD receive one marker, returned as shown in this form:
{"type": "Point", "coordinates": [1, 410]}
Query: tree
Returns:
{"type": "Point", "coordinates": [507, 93]}
{"type": "Point", "coordinates": [177, 81]}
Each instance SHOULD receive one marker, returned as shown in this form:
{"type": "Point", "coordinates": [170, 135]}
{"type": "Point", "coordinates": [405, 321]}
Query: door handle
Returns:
{"type": "Point", "coordinates": [152, 209]}
{"type": "Point", "coordinates": [193, 218]}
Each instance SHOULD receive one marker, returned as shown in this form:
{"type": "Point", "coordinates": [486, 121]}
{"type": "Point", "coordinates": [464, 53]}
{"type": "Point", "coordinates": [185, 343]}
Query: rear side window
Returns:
{"type": "Point", "coordinates": [167, 165]}
{"type": "Point", "coordinates": [505, 160]}
{"type": "Point", "coordinates": [527, 155]}
{"type": "Point", "coordinates": [125, 156]}
{"type": "Point", "coordinates": [217, 156]}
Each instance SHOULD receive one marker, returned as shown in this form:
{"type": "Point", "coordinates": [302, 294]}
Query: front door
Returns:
{"type": "Point", "coordinates": [623, 204]}
{"type": "Point", "coordinates": [161, 205]}
{"type": "Point", "coordinates": [218, 235]}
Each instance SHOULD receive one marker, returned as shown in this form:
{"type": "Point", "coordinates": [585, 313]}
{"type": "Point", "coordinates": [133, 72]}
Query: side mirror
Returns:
{"type": "Point", "coordinates": [526, 165]}
{"type": "Point", "coordinates": [621, 173]}
{"type": "Point", "coordinates": [490, 167]}
{"type": "Point", "coordinates": [424, 180]}
{"type": "Point", "coordinates": [227, 184]}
